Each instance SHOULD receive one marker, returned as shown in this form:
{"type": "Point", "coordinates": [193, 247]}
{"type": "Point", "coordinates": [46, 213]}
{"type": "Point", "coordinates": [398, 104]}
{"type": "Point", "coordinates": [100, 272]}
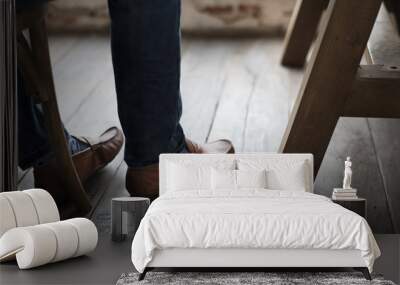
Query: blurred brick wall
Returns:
{"type": "Point", "coordinates": [232, 16]}
{"type": "Point", "coordinates": [199, 16]}
{"type": "Point", "coordinates": [78, 15]}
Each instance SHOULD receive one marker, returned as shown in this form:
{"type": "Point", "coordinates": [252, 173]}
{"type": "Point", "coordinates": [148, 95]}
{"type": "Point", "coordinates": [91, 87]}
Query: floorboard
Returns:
{"type": "Point", "coordinates": [60, 46]}
{"type": "Point", "coordinates": [243, 70]}
{"type": "Point", "coordinates": [78, 74]}
{"type": "Point", "coordinates": [271, 102]}
{"type": "Point", "coordinates": [204, 73]}
{"type": "Point", "coordinates": [26, 180]}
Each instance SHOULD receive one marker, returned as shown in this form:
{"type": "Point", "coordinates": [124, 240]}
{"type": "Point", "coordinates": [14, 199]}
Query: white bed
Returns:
{"type": "Point", "coordinates": [194, 224]}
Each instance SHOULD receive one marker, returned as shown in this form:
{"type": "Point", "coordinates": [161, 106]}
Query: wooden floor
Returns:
{"type": "Point", "coordinates": [231, 88]}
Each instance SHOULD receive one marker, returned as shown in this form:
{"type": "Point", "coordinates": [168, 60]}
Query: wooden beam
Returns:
{"type": "Point", "coordinates": [393, 7]}
{"type": "Point", "coordinates": [8, 98]}
{"type": "Point", "coordinates": [301, 31]}
{"type": "Point", "coordinates": [375, 93]}
{"type": "Point", "coordinates": [329, 76]}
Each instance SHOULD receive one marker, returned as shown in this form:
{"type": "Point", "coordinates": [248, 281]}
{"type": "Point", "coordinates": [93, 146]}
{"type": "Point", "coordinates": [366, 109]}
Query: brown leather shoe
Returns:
{"type": "Point", "coordinates": [87, 162]}
{"type": "Point", "coordinates": [143, 181]}
{"type": "Point", "coordinates": [101, 152]}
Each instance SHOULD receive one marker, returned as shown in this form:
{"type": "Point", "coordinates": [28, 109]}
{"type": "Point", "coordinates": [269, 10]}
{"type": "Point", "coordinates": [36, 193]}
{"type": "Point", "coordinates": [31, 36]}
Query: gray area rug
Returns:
{"type": "Point", "coordinates": [269, 278]}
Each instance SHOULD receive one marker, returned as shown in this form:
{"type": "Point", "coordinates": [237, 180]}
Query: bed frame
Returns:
{"type": "Point", "coordinates": [243, 259]}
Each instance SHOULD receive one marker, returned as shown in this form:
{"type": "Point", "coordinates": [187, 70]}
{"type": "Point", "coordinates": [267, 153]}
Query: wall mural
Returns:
{"type": "Point", "coordinates": [372, 143]}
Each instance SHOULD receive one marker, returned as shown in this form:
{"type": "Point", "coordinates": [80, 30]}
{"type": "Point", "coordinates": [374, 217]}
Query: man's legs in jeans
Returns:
{"type": "Point", "coordinates": [146, 57]}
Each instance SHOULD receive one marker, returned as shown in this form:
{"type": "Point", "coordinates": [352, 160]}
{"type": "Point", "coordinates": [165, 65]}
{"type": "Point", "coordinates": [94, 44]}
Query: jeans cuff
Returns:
{"type": "Point", "coordinates": [137, 164]}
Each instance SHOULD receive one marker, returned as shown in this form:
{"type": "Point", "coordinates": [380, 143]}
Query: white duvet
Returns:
{"type": "Point", "coordinates": [250, 219]}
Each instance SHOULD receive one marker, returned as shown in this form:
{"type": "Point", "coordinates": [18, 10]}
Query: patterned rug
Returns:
{"type": "Point", "coordinates": [268, 278]}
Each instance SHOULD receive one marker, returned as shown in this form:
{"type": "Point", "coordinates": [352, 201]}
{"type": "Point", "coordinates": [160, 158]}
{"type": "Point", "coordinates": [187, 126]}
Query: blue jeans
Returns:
{"type": "Point", "coordinates": [145, 41]}
{"type": "Point", "coordinates": [146, 57]}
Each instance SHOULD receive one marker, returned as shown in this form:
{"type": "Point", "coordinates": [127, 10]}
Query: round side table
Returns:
{"type": "Point", "coordinates": [134, 209]}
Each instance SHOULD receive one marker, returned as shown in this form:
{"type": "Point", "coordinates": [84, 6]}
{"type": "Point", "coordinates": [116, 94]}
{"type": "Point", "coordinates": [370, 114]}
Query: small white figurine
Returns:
{"type": "Point", "coordinates": [348, 173]}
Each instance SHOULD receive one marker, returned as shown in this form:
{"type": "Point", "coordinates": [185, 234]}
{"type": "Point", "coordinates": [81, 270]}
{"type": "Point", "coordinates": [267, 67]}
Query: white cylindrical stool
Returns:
{"type": "Point", "coordinates": [134, 208]}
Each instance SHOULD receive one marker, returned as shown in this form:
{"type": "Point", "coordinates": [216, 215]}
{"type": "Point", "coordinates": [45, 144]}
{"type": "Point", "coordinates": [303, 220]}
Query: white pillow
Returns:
{"type": "Point", "coordinates": [238, 179]}
{"type": "Point", "coordinates": [223, 179]}
{"type": "Point", "coordinates": [251, 178]}
{"type": "Point", "coordinates": [282, 174]}
{"type": "Point", "coordinates": [189, 174]}
{"type": "Point", "coordinates": [292, 179]}
{"type": "Point", "coordinates": [181, 177]}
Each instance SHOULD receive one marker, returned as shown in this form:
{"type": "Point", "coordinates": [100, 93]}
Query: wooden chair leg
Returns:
{"type": "Point", "coordinates": [41, 56]}
{"type": "Point", "coordinates": [26, 65]}
{"type": "Point", "coordinates": [301, 31]}
{"type": "Point", "coordinates": [329, 76]}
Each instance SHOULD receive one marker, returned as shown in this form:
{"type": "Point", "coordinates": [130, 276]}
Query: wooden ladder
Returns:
{"type": "Point", "coordinates": [335, 84]}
